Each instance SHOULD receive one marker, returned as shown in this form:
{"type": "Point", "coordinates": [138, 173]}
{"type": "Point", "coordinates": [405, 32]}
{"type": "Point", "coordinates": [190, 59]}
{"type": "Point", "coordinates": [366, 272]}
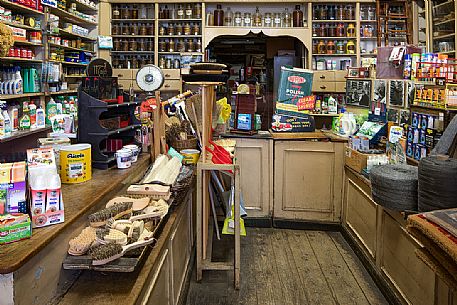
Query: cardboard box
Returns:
{"type": "Point", "coordinates": [19, 34]}
{"type": "Point", "coordinates": [18, 229]}
{"type": "Point", "coordinates": [355, 159]}
{"type": "Point", "coordinates": [284, 123]}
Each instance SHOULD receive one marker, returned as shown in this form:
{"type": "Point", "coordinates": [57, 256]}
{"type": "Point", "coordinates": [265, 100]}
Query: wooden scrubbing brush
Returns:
{"type": "Point", "coordinates": [81, 243]}
{"type": "Point", "coordinates": [105, 236]}
{"type": "Point", "coordinates": [99, 219]}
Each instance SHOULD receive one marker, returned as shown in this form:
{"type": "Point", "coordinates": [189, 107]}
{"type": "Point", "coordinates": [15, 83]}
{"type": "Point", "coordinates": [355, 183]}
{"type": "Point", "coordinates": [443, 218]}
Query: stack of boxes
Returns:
{"type": "Point", "coordinates": [422, 135]}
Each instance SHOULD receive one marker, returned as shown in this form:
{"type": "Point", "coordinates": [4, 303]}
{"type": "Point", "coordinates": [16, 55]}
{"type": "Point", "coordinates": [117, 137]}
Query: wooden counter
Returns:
{"type": "Point", "coordinates": [78, 199]}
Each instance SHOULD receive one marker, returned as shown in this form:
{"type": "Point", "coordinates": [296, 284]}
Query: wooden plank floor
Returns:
{"type": "Point", "coordinates": [282, 267]}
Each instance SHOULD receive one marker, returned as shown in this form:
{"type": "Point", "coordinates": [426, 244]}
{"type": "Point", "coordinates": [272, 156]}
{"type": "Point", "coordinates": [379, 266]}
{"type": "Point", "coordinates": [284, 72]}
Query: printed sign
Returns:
{"type": "Point", "coordinates": [306, 103]}
{"type": "Point", "coordinates": [51, 3]}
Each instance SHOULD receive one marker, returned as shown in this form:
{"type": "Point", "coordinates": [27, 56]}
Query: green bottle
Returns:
{"type": "Point", "coordinates": [24, 121]}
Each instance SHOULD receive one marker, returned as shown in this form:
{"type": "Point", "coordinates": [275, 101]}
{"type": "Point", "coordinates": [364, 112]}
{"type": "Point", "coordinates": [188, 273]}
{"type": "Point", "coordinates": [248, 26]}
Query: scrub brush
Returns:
{"type": "Point", "coordinates": [104, 254]}
{"type": "Point", "coordinates": [99, 219]}
{"type": "Point", "coordinates": [105, 236]}
{"type": "Point", "coordinates": [81, 243]}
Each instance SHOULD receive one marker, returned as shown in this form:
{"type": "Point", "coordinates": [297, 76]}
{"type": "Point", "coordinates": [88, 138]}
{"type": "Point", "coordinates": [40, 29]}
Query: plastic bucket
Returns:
{"type": "Point", "coordinates": [191, 156]}
{"type": "Point", "coordinates": [124, 158]}
{"type": "Point", "coordinates": [135, 151]}
{"type": "Point", "coordinates": [75, 163]}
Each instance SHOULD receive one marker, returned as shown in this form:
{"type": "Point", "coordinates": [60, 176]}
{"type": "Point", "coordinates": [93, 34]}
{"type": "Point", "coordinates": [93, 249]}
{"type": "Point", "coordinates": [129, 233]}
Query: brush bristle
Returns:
{"type": "Point", "coordinates": [105, 214]}
{"type": "Point", "coordinates": [102, 252]}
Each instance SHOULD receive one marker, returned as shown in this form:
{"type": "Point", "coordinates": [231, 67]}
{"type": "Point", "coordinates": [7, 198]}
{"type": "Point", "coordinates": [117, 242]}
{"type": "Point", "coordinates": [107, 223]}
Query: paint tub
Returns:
{"type": "Point", "coordinates": [75, 163]}
{"type": "Point", "coordinates": [135, 151]}
{"type": "Point", "coordinates": [191, 156]}
{"type": "Point", "coordinates": [124, 158]}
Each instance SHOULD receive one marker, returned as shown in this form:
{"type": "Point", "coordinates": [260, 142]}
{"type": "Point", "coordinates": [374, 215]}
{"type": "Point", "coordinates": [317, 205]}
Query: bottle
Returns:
{"type": "Point", "coordinates": [242, 74]}
{"type": "Point", "coordinates": [7, 119]}
{"type": "Point", "coordinates": [38, 192]}
{"type": "Point", "coordinates": [257, 18]}
{"type": "Point", "coordinates": [24, 122]}
{"type": "Point", "coordinates": [350, 31]}
{"type": "Point", "coordinates": [228, 19]}
{"type": "Point", "coordinates": [188, 11]}
{"type": "Point", "coordinates": [297, 17]}
{"type": "Point", "coordinates": [14, 117]}
{"type": "Point", "coordinates": [247, 21]}
{"type": "Point", "coordinates": [51, 110]}
{"type": "Point", "coordinates": [180, 12]}
{"type": "Point", "coordinates": [238, 20]}
{"type": "Point", "coordinates": [350, 47]}
{"type": "Point", "coordinates": [286, 19]}
{"type": "Point", "coordinates": [2, 125]}
{"type": "Point", "coordinates": [218, 16]}
{"type": "Point", "coordinates": [53, 193]}
{"type": "Point", "coordinates": [321, 48]}
{"type": "Point", "coordinates": [17, 84]}
{"type": "Point", "coordinates": [331, 48]}
{"type": "Point", "coordinates": [40, 118]}
{"type": "Point", "coordinates": [267, 20]}
{"type": "Point", "coordinates": [32, 114]}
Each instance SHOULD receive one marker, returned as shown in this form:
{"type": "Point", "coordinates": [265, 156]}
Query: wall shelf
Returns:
{"type": "Point", "coordinates": [21, 59]}
{"type": "Point", "coordinates": [27, 43]}
{"type": "Point", "coordinates": [17, 8]}
{"type": "Point", "coordinates": [69, 48]}
{"type": "Point", "coordinates": [21, 26]}
{"type": "Point", "coordinates": [71, 17]}
{"type": "Point", "coordinates": [18, 96]}
{"type": "Point", "coordinates": [23, 133]}
{"type": "Point", "coordinates": [65, 33]}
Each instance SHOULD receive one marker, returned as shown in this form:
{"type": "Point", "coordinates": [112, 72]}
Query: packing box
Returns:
{"type": "Point", "coordinates": [285, 123]}
{"type": "Point", "coordinates": [14, 228]}
{"type": "Point", "coordinates": [355, 159]}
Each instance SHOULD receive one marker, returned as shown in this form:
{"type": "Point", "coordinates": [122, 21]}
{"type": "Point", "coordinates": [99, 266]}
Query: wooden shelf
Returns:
{"type": "Point", "coordinates": [337, 55]}
{"type": "Point", "coordinates": [62, 92]}
{"type": "Point", "coordinates": [180, 36]}
{"type": "Point", "coordinates": [82, 7]}
{"type": "Point", "coordinates": [21, 59]}
{"type": "Point", "coordinates": [21, 26]}
{"type": "Point", "coordinates": [368, 21]}
{"type": "Point", "coordinates": [254, 28]}
{"type": "Point", "coordinates": [132, 36]}
{"type": "Point", "coordinates": [71, 17]}
{"type": "Point", "coordinates": [65, 33]}
{"type": "Point", "coordinates": [18, 96]}
{"type": "Point", "coordinates": [432, 108]}
{"type": "Point", "coordinates": [442, 4]}
{"type": "Point", "coordinates": [69, 48]}
{"type": "Point", "coordinates": [339, 21]}
{"type": "Point", "coordinates": [132, 20]}
{"type": "Point", "coordinates": [368, 38]}
{"type": "Point", "coordinates": [444, 22]}
{"type": "Point", "coordinates": [178, 20]}
{"type": "Point", "coordinates": [17, 8]}
{"type": "Point", "coordinates": [134, 52]}
{"type": "Point", "coordinates": [24, 133]}
{"type": "Point", "coordinates": [368, 54]}
{"type": "Point", "coordinates": [181, 53]}
{"type": "Point", "coordinates": [27, 43]}
{"type": "Point", "coordinates": [69, 63]}
{"type": "Point", "coordinates": [450, 35]}
{"type": "Point", "coordinates": [334, 38]}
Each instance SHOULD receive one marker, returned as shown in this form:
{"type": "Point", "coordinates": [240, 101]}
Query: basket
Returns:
{"type": "Point", "coordinates": [190, 143]}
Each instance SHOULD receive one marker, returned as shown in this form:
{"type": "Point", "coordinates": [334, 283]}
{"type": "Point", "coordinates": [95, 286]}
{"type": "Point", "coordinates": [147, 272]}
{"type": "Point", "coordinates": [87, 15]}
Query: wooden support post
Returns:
{"type": "Point", "coordinates": [157, 128]}
{"type": "Point", "coordinates": [199, 224]}
{"type": "Point", "coordinates": [237, 257]}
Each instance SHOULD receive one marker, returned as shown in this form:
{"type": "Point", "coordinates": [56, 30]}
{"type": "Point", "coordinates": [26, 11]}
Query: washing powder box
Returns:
{"type": "Point", "coordinates": [285, 123]}
{"type": "Point", "coordinates": [14, 227]}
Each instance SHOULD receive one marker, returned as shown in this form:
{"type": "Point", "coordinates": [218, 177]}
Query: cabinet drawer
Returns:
{"type": "Point", "coordinates": [123, 73]}
{"type": "Point", "coordinates": [323, 86]}
{"type": "Point", "coordinates": [340, 87]}
{"type": "Point", "coordinates": [323, 76]}
{"type": "Point", "coordinates": [340, 75]}
{"type": "Point", "coordinates": [172, 85]}
{"type": "Point", "coordinates": [125, 84]}
{"type": "Point", "coordinates": [172, 73]}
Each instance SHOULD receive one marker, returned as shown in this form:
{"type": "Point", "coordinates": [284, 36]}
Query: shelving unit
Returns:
{"type": "Point", "coordinates": [23, 133]}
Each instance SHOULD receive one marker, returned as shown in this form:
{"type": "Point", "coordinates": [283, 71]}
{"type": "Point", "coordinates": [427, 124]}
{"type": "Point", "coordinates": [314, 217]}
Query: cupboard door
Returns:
{"type": "Point", "coordinates": [159, 287]}
{"type": "Point", "coordinates": [403, 268]}
{"type": "Point", "coordinates": [255, 159]}
{"type": "Point", "coordinates": [304, 177]}
{"type": "Point", "coordinates": [360, 216]}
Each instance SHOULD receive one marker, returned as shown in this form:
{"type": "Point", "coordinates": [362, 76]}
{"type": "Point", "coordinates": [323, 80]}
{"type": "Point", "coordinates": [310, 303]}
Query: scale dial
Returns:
{"type": "Point", "coordinates": [150, 78]}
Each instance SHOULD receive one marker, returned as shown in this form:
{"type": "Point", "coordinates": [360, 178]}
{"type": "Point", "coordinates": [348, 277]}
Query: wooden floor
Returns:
{"type": "Point", "coordinates": [285, 267]}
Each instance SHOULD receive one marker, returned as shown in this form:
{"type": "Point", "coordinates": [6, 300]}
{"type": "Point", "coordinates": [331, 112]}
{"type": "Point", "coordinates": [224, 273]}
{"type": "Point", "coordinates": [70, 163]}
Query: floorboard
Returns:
{"type": "Point", "coordinates": [281, 267]}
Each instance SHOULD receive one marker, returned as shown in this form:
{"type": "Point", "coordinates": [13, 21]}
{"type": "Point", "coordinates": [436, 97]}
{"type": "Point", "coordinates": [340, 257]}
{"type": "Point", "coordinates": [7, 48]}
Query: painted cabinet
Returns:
{"type": "Point", "coordinates": [308, 178]}
{"type": "Point", "coordinates": [255, 157]}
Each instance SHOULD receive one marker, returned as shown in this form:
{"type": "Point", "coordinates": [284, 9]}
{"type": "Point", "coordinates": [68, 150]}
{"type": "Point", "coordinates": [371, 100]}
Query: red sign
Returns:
{"type": "Point", "coordinates": [306, 103]}
{"type": "Point", "coordinates": [296, 79]}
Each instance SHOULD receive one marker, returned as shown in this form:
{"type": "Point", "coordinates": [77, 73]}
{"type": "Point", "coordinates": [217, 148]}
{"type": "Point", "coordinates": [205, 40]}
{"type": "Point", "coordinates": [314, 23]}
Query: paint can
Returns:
{"type": "Point", "coordinates": [135, 151]}
{"type": "Point", "coordinates": [123, 158]}
{"type": "Point", "coordinates": [190, 156]}
{"type": "Point", "coordinates": [75, 163]}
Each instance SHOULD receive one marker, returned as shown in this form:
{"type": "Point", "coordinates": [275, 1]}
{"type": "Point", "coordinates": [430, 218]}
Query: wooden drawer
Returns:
{"type": "Point", "coordinates": [172, 85]}
{"type": "Point", "coordinates": [323, 86]}
{"type": "Point", "coordinates": [340, 75]}
{"type": "Point", "coordinates": [323, 76]}
{"type": "Point", "coordinates": [125, 84]}
{"type": "Point", "coordinates": [172, 73]}
{"type": "Point", "coordinates": [123, 73]}
{"type": "Point", "coordinates": [399, 262]}
{"type": "Point", "coordinates": [340, 87]}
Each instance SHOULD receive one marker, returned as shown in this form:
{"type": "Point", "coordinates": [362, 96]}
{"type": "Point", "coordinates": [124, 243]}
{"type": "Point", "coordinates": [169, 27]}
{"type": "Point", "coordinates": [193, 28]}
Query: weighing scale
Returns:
{"type": "Point", "coordinates": [150, 78]}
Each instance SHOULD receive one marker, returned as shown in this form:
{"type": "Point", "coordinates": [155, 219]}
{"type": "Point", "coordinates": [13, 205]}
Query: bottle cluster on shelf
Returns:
{"type": "Point", "coordinates": [133, 28]}
{"type": "Point", "coordinates": [71, 8]}
{"type": "Point", "coordinates": [181, 11]}
{"type": "Point", "coordinates": [334, 30]}
{"type": "Point", "coordinates": [277, 19]}
{"type": "Point", "coordinates": [132, 11]}
{"type": "Point", "coordinates": [331, 64]}
{"type": "Point", "coordinates": [367, 13]}
{"type": "Point", "coordinates": [180, 45]}
{"type": "Point", "coordinates": [133, 44]}
{"type": "Point", "coordinates": [334, 12]}
{"type": "Point", "coordinates": [443, 25]}
{"type": "Point", "coordinates": [16, 80]}
{"type": "Point", "coordinates": [19, 19]}
{"type": "Point", "coordinates": [21, 52]}
{"type": "Point", "coordinates": [54, 27]}
{"type": "Point", "coordinates": [76, 43]}
{"type": "Point", "coordinates": [331, 47]}
{"type": "Point", "coordinates": [180, 29]}
{"type": "Point", "coordinates": [131, 61]}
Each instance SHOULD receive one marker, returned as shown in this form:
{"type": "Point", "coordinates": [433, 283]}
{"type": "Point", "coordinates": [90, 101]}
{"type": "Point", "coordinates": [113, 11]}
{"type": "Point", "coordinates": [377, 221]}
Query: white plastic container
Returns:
{"type": "Point", "coordinates": [124, 158]}
{"type": "Point", "coordinates": [135, 151]}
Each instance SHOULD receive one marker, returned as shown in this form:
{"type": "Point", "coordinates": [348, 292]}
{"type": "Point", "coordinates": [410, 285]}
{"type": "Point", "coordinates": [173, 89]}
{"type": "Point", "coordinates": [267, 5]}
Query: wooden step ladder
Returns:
{"type": "Point", "coordinates": [386, 18]}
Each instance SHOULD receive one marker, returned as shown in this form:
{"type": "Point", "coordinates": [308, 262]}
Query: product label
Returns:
{"type": "Point", "coordinates": [277, 20]}
{"type": "Point", "coordinates": [267, 20]}
{"type": "Point", "coordinates": [247, 20]}
{"type": "Point", "coordinates": [237, 20]}
{"type": "Point", "coordinates": [75, 170]}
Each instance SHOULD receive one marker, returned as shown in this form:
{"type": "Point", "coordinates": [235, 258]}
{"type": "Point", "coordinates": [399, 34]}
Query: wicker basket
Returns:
{"type": "Point", "coordinates": [190, 143]}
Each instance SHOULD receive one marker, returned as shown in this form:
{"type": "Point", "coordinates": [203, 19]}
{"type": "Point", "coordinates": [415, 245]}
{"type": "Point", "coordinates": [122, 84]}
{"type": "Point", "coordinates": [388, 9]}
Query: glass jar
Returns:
{"type": "Point", "coordinates": [371, 14]}
{"type": "Point", "coordinates": [166, 12]}
{"type": "Point", "coordinates": [198, 11]}
{"type": "Point", "coordinates": [331, 30]}
{"type": "Point", "coordinates": [340, 30]}
{"type": "Point", "coordinates": [134, 28]}
{"type": "Point", "coordinates": [171, 46]}
{"type": "Point", "coordinates": [162, 30]}
{"type": "Point", "coordinates": [179, 29]}
{"type": "Point", "coordinates": [125, 45]}
{"type": "Point", "coordinates": [115, 62]}
{"type": "Point", "coordinates": [143, 12]}
{"type": "Point", "coordinates": [141, 45]}
{"type": "Point", "coordinates": [198, 46]}
{"type": "Point", "coordinates": [188, 11]}
{"type": "Point", "coordinates": [180, 12]}
{"type": "Point", "coordinates": [171, 29]}
{"type": "Point", "coordinates": [196, 29]}
{"type": "Point", "coordinates": [286, 18]}
{"type": "Point", "coordinates": [150, 28]}
{"type": "Point", "coordinates": [267, 20]}
{"type": "Point", "coordinates": [162, 46]}
{"type": "Point", "coordinates": [315, 50]}
{"type": "Point", "coordinates": [143, 29]}
{"type": "Point", "coordinates": [176, 64]}
{"type": "Point", "coordinates": [187, 29]}
{"type": "Point", "coordinates": [134, 12]}
{"type": "Point", "coordinates": [150, 45]}
{"type": "Point", "coordinates": [162, 62]}
{"type": "Point", "coordinates": [247, 20]}
{"type": "Point", "coordinates": [181, 46]}
{"type": "Point", "coordinates": [238, 20]}
{"type": "Point", "coordinates": [218, 16]}
{"type": "Point", "coordinates": [133, 45]}
{"type": "Point", "coordinates": [116, 12]}
{"type": "Point", "coordinates": [340, 13]}
{"type": "Point", "coordinates": [321, 47]}
{"type": "Point", "coordinates": [168, 63]}
{"type": "Point", "coordinates": [115, 30]}
{"type": "Point", "coordinates": [228, 17]}
{"type": "Point", "coordinates": [340, 47]}
{"type": "Point", "coordinates": [331, 48]}
{"type": "Point", "coordinates": [350, 47]}
{"type": "Point", "coordinates": [277, 20]}
{"type": "Point", "coordinates": [331, 12]}
{"type": "Point", "coordinates": [117, 45]}
{"type": "Point", "coordinates": [316, 30]}
{"type": "Point", "coordinates": [190, 46]}
{"type": "Point", "coordinates": [324, 30]}
{"type": "Point", "coordinates": [350, 13]}
{"type": "Point", "coordinates": [364, 12]}
{"type": "Point", "coordinates": [350, 31]}
{"type": "Point", "coordinates": [134, 62]}
{"type": "Point", "coordinates": [316, 12]}
{"type": "Point", "coordinates": [257, 18]}
{"type": "Point", "coordinates": [125, 12]}
{"type": "Point", "coordinates": [323, 12]}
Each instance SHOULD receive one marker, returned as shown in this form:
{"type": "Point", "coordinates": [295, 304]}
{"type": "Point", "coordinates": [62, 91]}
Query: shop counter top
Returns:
{"type": "Point", "coordinates": [78, 200]}
{"type": "Point", "coordinates": [320, 135]}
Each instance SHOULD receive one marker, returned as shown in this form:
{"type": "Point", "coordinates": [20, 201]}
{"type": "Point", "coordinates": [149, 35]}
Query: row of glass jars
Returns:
{"type": "Point", "coordinates": [256, 19]}
{"type": "Point", "coordinates": [133, 44]}
{"type": "Point", "coordinates": [334, 30]}
{"type": "Point", "coordinates": [180, 45]}
{"type": "Point", "coordinates": [189, 11]}
{"type": "Point", "coordinates": [133, 11]}
{"type": "Point", "coordinates": [180, 29]}
{"type": "Point", "coordinates": [143, 29]}
{"type": "Point", "coordinates": [167, 62]}
{"type": "Point", "coordinates": [131, 62]}
{"type": "Point", "coordinates": [333, 12]}
{"type": "Point", "coordinates": [367, 12]}
{"type": "Point", "coordinates": [334, 47]}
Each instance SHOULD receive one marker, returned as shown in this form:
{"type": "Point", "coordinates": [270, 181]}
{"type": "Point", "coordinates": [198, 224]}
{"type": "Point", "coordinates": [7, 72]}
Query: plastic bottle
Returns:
{"type": "Point", "coordinates": [51, 110]}
{"type": "Point", "coordinates": [7, 120]}
{"type": "Point", "coordinates": [32, 113]}
{"type": "Point", "coordinates": [17, 84]}
{"type": "Point", "coordinates": [53, 193]}
{"type": "Point", "coordinates": [40, 118]}
{"type": "Point", "coordinates": [26, 79]}
{"type": "Point", "coordinates": [14, 117]}
{"type": "Point", "coordinates": [38, 189]}
{"type": "Point", "coordinates": [2, 125]}
{"type": "Point", "coordinates": [24, 122]}
{"type": "Point", "coordinates": [4, 80]}
{"type": "Point", "coordinates": [9, 77]}
{"type": "Point", "coordinates": [332, 105]}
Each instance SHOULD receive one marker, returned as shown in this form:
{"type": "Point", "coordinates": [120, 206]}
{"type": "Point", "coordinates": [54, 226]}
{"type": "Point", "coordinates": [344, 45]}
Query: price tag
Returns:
{"type": "Point", "coordinates": [377, 111]}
